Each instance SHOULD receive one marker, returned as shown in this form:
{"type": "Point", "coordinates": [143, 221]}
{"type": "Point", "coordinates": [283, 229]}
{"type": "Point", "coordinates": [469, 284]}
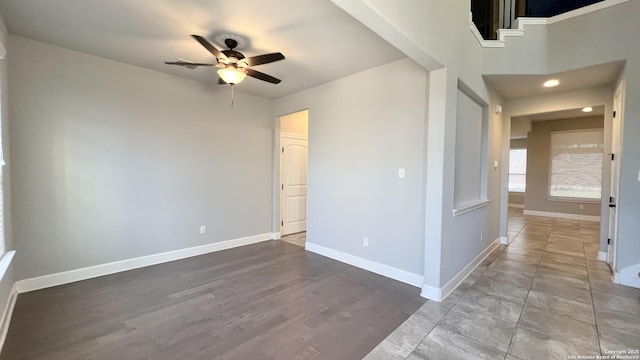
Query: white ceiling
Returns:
{"type": "Point", "coordinates": [517, 86]}
{"type": "Point", "coordinates": [566, 114]}
{"type": "Point", "coordinates": [321, 43]}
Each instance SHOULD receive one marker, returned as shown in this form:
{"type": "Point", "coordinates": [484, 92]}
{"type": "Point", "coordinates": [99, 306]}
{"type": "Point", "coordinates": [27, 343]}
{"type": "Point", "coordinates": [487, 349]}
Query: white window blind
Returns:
{"type": "Point", "coordinates": [2, 245]}
{"type": "Point", "coordinates": [576, 164]}
{"type": "Point", "coordinates": [517, 170]}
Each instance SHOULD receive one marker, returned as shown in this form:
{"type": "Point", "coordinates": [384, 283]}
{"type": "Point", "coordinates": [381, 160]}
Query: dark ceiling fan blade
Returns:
{"type": "Point", "coordinates": [262, 76]}
{"type": "Point", "coordinates": [187, 64]}
{"type": "Point", "coordinates": [264, 59]}
{"type": "Point", "coordinates": [212, 49]}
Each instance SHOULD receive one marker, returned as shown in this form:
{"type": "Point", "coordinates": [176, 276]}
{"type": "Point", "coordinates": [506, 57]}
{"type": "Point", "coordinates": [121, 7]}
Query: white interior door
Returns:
{"type": "Point", "coordinates": [294, 184]}
{"type": "Point", "coordinates": [615, 171]}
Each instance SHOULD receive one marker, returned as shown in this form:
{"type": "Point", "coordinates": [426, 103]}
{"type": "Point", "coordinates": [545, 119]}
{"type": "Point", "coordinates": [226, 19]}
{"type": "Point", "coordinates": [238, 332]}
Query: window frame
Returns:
{"type": "Point", "coordinates": [509, 171]}
{"type": "Point", "coordinates": [568, 198]}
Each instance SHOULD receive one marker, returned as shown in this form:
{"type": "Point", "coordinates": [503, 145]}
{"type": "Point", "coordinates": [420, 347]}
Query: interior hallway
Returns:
{"type": "Point", "coordinates": [544, 296]}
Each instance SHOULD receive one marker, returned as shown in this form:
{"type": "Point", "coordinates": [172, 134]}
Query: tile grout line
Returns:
{"type": "Point", "coordinates": [529, 291]}
{"type": "Point", "coordinates": [447, 312]}
{"type": "Point", "coordinates": [593, 304]}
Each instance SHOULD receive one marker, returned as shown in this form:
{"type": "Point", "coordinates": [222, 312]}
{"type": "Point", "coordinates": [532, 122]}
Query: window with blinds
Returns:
{"type": "Point", "coordinates": [517, 170]}
{"type": "Point", "coordinates": [3, 54]}
{"type": "Point", "coordinates": [2, 245]}
{"type": "Point", "coordinates": [576, 164]}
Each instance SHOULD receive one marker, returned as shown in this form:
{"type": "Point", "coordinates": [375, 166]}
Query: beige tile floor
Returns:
{"type": "Point", "coordinates": [544, 296]}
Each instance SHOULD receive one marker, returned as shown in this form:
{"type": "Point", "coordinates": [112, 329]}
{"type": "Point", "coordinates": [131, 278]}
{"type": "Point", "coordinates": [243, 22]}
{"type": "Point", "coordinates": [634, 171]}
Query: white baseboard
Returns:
{"type": "Point", "coordinates": [66, 277]}
{"type": "Point", "coordinates": [439, 294]}
{"type": "Point", "coordinates": [504, 240]}
{"type": "Point", "coordinates": [276, 236]}
{"type": "Point", "coordinates": [629, 276]}
{"type": "Point", "coordinates": [517, 206]}
{"type": "Point", "coordinates": [431, 292]}
{"type": "Point", "coordinates": [602, 255]}
{"type": "Point", "coordinates": [562, 215]}
{"type": "Point", "coordinates": [381, 269]}
{"type": "Point", "coordinates": [6, 315]}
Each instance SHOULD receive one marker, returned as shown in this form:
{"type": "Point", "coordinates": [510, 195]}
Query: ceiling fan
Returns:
{"type": "Point", "coordinates": [233, 65]}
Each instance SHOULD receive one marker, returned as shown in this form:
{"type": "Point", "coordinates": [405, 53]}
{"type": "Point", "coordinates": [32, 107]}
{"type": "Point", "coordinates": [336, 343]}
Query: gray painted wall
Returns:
{"type": "Point", "coordinates": [539, 162]}
{"type": "Point", "coordinates": [516, 198]}
{"type": "Point", "coordinates": [113, 161]}
{"type": "Point", "coordinates": [436, 35]}
{"type": "Point", "coordinates": [518, 143]}
{"type": "Point", "coordinates": [362, 129]}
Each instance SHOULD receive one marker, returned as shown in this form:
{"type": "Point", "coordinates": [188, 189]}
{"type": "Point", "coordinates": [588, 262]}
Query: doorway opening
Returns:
{"type": "Point", "coordinates": [293, 139]}
{"type": "Point", "coordinates": [557, 193]}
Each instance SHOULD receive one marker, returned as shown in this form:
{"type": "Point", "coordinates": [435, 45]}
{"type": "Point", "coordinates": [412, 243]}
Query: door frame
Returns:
{"type": "Point", "coordinates": [612, 249]}
{"type": "Point", "coordinates": [276, 194]}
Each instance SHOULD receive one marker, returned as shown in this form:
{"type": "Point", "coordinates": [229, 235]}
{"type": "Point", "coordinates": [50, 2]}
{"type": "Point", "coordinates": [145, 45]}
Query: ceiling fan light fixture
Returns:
{"type": "Point", "coordinates": [231, 75]}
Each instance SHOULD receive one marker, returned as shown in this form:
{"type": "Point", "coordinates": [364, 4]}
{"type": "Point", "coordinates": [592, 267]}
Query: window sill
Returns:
{"type": "Point", "coordinates": [468, 207]}
{"type": "Point", "coordinates": [573, 200]}
{"type": "Point", "coordinates": [5, 261]}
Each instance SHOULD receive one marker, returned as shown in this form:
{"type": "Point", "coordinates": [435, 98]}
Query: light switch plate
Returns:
{"type": "Point", "coordinates": [401, 173]}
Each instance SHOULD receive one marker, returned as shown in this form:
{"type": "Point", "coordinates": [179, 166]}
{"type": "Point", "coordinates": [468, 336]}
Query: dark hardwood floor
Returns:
{"type": "Point", "coordinates": [271, 300]}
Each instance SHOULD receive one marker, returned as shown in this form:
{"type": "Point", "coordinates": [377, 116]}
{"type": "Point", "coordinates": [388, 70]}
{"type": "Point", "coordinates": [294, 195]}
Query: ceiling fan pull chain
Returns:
{"type": "Point", "coordinates": [232, 96]}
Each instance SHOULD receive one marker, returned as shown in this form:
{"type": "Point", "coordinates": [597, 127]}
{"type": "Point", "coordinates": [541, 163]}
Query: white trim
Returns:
{"type": "Point", "coordinates": [562, 215]}
{"type": "Point", "coordinates": [504, 33]}
{"type": "Point", "coordinates": [517, 206]}
{"type": "Point", "coordinates": [5, 262]}
{"type": "Point", "coordinates": [381, 269]}
{"type": "Point", "coordinates": [602, 255]}
{"type": "Point", "coordinates": [70, 276]}
{"type": "Point", "coordinates": [6, 314]}
{"type": "Point", "coordinates": [484, 43]}
{"type": "Point", "coordinates": [585, 10]}
{"type": "Point", "coordinates": [3, 52]}
{"type": "Point", "coordinates": [615, 278]}
{"type": "Point", "coordinates": [276, 236]}
{"type": "Point", "coordinates": [522, 21]}
{"type": "Point", "coordinates": [439, 294]}
{"type": "Point", "coordinates": [629, 276]}
{"type": "Point", "coordinates": [432, 293]}
{"type": "Point", "coordinates": [504, 240]}
{"type": "Point", "coordinates": [468, 207]}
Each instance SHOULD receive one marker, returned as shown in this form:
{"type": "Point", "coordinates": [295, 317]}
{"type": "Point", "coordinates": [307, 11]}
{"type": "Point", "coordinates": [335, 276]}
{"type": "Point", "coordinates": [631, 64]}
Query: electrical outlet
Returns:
{"type": "Point", "coordinates": [203, 230]}
{"type": "Point", "coordinates": [365, 241]}
{"type": "Point", "coordinates": [481, 237]}
{"type": "Point", "coordinates": [401, 173]}
{"type": "Point", "coordinates": [581, 206]}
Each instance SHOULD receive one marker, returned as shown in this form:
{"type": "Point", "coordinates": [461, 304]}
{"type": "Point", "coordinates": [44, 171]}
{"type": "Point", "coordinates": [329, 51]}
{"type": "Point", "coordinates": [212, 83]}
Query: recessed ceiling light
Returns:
{"type": "Point", "coordinates": [587, 109]}
{"type": "Point", "coordinates": [551, 83]}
